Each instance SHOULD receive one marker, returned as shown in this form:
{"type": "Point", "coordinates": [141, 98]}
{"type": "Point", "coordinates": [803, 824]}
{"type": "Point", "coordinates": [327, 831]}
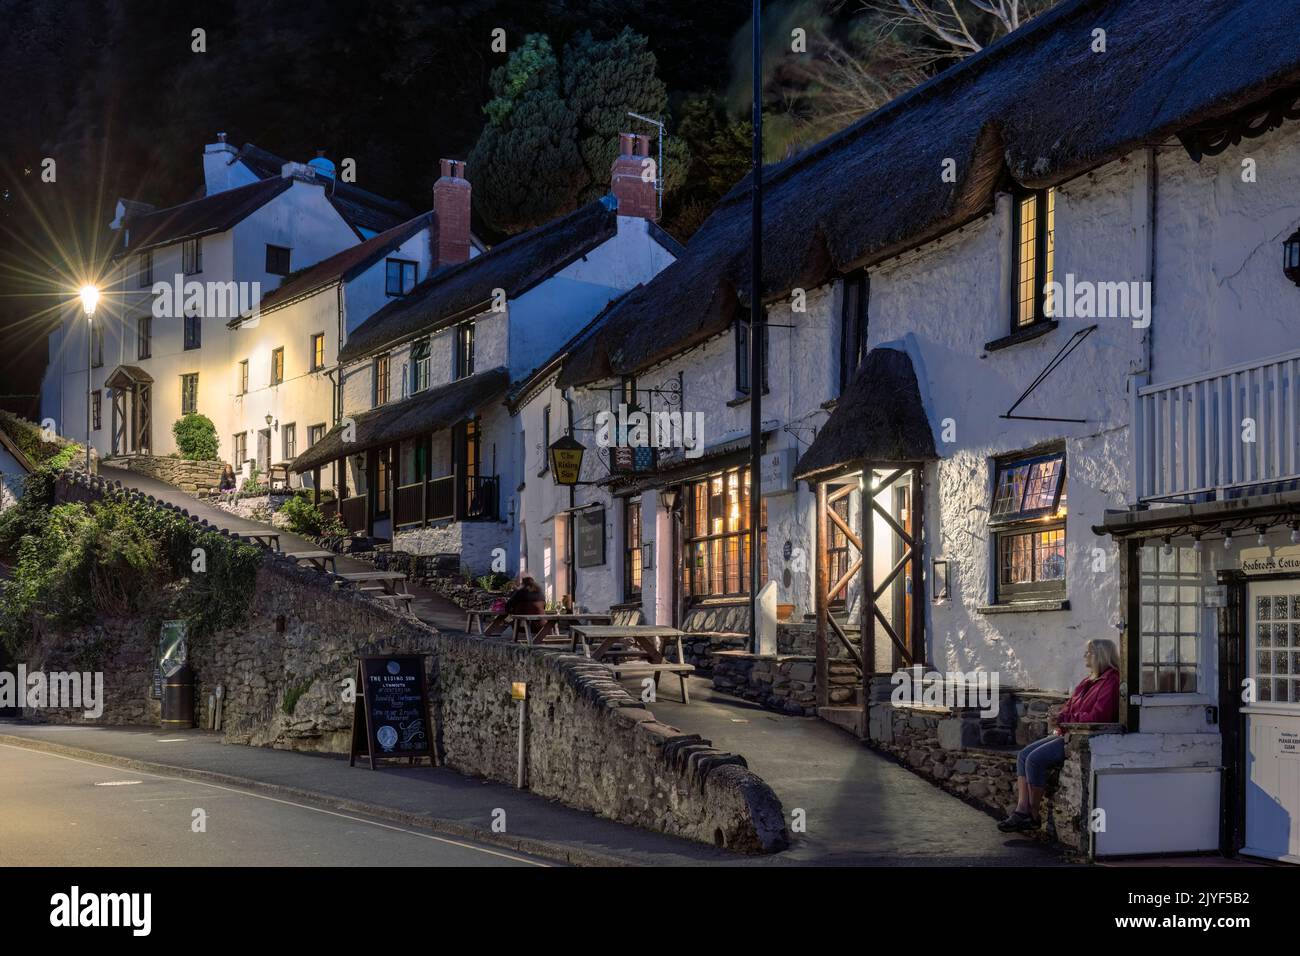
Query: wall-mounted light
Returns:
{"type": "Point", "coordinates": [1295, 532]}
{"type": "Point", "coordinates": [1262, 540]}
{"type": "Point", "coordinates": [268, 421]}
{"type": "Point", "coordinates": [668, 498]}
{"type": "Point", "coordinates": [939, 579]}
{"type": "Point", "coordinates": [1227, 541]}
{"type": "Point", "coordinates": [1169, 545]}
{"type": "Point", "coordinates": [1196, 544]}
{"type": "Point", "coordinates": [1291, 257]}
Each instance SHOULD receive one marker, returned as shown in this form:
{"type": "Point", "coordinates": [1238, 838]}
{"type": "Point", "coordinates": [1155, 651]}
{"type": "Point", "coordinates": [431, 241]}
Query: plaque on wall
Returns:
{"type": "Point", "coordinates": [589, 530]}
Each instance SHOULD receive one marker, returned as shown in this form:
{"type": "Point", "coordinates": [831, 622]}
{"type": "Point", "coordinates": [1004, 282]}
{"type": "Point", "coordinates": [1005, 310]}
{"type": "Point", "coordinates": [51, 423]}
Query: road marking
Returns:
{"type": "Point", "coordinates": [300, 806]}
{"type": "Point", "coordinates": [117, 783]}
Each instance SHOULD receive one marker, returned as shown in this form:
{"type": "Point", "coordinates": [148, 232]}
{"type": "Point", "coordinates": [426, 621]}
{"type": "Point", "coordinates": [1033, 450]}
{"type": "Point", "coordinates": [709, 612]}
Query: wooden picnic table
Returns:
{"type": "Point", "coordinates": [269, 540]}
{"type": "Point", "coordinates": [645, 638]}
{"type": "Point", "coordinates": [318, 559]}
{"type": "Point", "coordinates": [474, 618]}
{"type": "Point", "coordinates": [388, 580]}
{"type": "Point", "coordinates": [548, 623]}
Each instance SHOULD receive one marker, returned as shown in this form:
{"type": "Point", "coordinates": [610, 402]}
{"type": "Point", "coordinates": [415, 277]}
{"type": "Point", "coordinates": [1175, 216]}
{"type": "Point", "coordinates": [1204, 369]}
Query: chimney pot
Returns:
{"type": "Point", "coordinates": [636, 196]}
{"type": "Point", "coordinates": [451, 205]}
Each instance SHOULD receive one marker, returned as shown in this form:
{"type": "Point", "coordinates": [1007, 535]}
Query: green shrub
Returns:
{"type": "Point", "coordinates": [303, 517]}
{"type": "Point", "coordinates": [196, 437]}
{"type": "Point", "coordinates": [493, 582]}
{"type": "Point", "coordinates": [53, 453]}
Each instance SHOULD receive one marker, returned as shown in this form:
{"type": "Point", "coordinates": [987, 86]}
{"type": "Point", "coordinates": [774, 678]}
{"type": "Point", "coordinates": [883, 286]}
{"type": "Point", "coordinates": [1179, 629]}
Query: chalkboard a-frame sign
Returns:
{"type": "Point", "coordinates": [390, 717]}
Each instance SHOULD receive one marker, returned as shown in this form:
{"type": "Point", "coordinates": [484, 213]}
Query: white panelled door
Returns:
{"type": "Point", "coordinates": [1273, 722]}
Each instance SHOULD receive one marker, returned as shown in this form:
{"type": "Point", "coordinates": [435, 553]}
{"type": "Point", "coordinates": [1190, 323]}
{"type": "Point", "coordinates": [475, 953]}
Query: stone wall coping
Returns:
{"type": "Point", "coordinates": [778, 658]}
{"type": "Point", "coordinates": [1092, 730]}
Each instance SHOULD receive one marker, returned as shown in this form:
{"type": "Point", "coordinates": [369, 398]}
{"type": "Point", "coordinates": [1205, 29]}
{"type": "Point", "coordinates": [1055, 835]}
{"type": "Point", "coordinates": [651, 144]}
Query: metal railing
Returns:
{"type": "Point", "coordinates": [1229, 428]}
{"type": "Point", "coordinates": [437, 499]}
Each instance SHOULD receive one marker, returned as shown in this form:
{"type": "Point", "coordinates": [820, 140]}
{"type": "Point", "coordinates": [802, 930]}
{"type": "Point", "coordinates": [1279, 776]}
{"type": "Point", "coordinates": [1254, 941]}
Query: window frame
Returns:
{"type": "Point", "coordinates": [316, 343]}
{"type": "Point", "coordinates": [277, 365]}
{"type": "Point", "coordinates": [381, 372]}
{"type": "Point", "coordinates": [289, 441]}
{"type": "Point", "coordinates": [97, 410]}
{"type": "Point", "coordinates": [716, 543]}
{"type": "Point", "coordinates": [192, 256]}
{"type": "Point", "coordinates": [421, 365]}
{"type": "Point", "coordinates": [97, 345]}
{"type": "Point", "coordinates": [1043, 261]}
{"type": "Point", "coordinates": [243, 376]}
{"type": "Point", "coordinates": [239, 448]}
{"type": "Point", "coordinates": [1037, 524]}
{"type": "Point", "coordinates": [273, 254]}
{"type": "Point", "coordinates": [402, 288]}
{"type": "Point", "coordinates": [1151, 582]}
{"type": "Point", "coordinates": [463, 351]}
{"type": "Point", "coordinates": [741, 334]}
{"type": "Point", "coordinates": [144, 269]}
{"type": "Point", "coordinates": [315, 433]}
{"type": "Point", "coordinates": [194, 407]}
{"type": "Point", "coordinates": [144, 337]}
{"type": "Point", "coordinates": [632, 569]}
{"type": "Point", "coordinates": [192, 332]}
{"type": "Point", "coordinates": [854, 316]}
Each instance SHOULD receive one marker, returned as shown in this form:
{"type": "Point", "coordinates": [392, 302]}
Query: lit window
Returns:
{"type": "Point", "coordinates": [318, 351]}
{"type": "Point", "coordinates": [277, 366]}
{"type": "Point", "coordinates": [1034, 256]}
{"type": "Point", "coordinates": [1028, 520]}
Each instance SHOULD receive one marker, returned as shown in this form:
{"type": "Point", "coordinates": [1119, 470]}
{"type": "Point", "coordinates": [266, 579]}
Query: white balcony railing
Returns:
{"type": "Point", "coordinates": [1229, 428]}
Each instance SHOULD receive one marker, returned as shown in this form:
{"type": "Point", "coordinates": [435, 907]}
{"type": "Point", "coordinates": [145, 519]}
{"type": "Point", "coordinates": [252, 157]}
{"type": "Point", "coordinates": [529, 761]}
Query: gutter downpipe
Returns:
{"type": "Point", "coordinates": [570, 544]}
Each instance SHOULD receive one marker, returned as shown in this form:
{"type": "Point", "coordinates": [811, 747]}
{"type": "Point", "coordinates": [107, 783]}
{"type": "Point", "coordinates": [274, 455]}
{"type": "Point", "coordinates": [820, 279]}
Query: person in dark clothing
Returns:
{"type": "Point", "coordinates": [525, 599]}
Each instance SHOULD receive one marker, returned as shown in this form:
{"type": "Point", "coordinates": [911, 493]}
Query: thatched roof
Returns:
{"type": "Point", "coordinates": [424, 412]}
{"type": "Point", "coordinates": [879, 418]}
{"type": "Point", "coordinates": [343, 266]}
{"type": "Point", "coordinates": [1037, 108]}
{"type": "Point", "coordinates": [515, 265]}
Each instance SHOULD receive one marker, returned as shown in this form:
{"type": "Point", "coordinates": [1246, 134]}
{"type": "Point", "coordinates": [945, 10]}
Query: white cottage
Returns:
{"type": "Point", "coordinates": [160, 343]}
{"type": "Point", "coordinates": [991, 317]}
{"type": "Point", "coordinates": [435, 462]}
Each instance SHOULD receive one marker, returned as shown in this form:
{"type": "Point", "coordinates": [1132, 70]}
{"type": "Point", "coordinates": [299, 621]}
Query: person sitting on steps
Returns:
{"type": "Point", "coordinates": [1094, 701]}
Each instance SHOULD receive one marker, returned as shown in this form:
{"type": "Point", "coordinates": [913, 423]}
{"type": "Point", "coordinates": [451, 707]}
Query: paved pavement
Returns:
{"type": "Point", "coordinates": [62, 811]}
{"type": "Point", "coordinates": [860, 807]}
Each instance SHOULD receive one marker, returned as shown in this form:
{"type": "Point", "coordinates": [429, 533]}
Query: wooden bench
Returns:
{"type": "Point", "coordinates": [318, 559]}
{"type": "Point", "coordinates": [642, 668]}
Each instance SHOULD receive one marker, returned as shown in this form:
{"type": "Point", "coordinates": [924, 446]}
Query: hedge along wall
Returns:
{"type": "Point", "coordinates": [588, 742]}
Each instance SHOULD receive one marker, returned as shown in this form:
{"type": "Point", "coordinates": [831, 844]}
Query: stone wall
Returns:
{"type": "Point", "coordinates": [474, 541]}
{"type": "Point", "coordinates": [265, 508]}
{"type": "Point", "coordinates": [589, 743]}
{"type": "Point", "coordinates": [787, 681]}
{"type": "Point", "coordinates": [190, 476]}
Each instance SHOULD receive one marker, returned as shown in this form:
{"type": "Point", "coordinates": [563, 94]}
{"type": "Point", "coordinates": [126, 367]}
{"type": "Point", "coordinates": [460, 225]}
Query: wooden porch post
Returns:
{"type": "Point", "coordinates": [821, 599]}
{"type": "Point", "coordinates": [867, 510]}
{"type": "Point", "coordinates": [457, 493]}
{"type": "Point", "coordinates": [918, 566]}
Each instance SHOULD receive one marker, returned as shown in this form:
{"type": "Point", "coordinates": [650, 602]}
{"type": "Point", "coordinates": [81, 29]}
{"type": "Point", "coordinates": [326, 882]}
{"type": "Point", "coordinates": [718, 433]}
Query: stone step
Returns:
{"type": "Point", "coordinates": [846, 718]}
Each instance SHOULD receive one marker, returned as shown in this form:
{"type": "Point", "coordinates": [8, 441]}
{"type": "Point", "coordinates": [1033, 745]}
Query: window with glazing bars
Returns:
{"type": "Point", "coordinates": [1028, 520]}
{"type": "Point", "coordinates": [1035, 240]}
{"type": "Point", "coordinates": [717, 535]}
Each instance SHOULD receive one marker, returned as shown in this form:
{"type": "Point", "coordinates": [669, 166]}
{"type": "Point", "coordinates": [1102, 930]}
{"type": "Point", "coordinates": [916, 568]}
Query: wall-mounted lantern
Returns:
{"type": "Point", "coordinates": [939, 579]}
{"type": "Point", "coordinates": [668, 498]}
{"type": "Point", "coordinates": [1291, 257]}
{"type": "Point", "coordinates": [566, 459]}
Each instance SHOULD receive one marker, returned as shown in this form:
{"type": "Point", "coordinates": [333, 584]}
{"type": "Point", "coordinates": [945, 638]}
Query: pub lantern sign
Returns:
{"type": "Point", "coordinates": [566, 460]}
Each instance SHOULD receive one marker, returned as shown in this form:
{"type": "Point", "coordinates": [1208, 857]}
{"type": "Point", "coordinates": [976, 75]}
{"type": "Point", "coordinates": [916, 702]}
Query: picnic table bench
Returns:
{"type": "Point", "coordinates": [385, 581]}
{"type": "Point", "coordinates": [474, 618]}
{"type": "Point", "coordinates": [267, 539]}
{"type": "Point", "coordinates": [318, 559]}
{"type": "Point", "coordinates": [547, 624]}
{"type": "Point", "coordinates": [634, 651]}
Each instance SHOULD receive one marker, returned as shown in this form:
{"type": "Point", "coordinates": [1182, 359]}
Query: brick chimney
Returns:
{"type": "Point", "coordinates": [451, 203]}
{"type": "Point", "coordinates": [635, 196]}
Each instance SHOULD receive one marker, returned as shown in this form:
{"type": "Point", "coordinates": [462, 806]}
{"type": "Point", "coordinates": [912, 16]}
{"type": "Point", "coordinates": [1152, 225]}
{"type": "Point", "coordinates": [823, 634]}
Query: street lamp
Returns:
{"type": "Point", "coordinates": [89, 299]}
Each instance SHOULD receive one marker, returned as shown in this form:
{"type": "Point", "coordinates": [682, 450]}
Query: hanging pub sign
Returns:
{"type": "Point", "coordinates": [590, 532]}
{"type": "Point", "coordinates": [390, 717]}
{"type": "Point", "coordinates": [566, 459]}
{"type": "Point", "coordinates": [632, 459]}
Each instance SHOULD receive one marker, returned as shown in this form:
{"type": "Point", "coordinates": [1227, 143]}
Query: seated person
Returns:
{"type": "Point", "coordinates": [525, 599]}
{"type": "Point", "coordinates": [1094, 701]}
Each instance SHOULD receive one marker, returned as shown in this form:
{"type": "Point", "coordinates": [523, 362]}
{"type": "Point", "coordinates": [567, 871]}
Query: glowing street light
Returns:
{"type": "Point", "coordinates": [89, 299]}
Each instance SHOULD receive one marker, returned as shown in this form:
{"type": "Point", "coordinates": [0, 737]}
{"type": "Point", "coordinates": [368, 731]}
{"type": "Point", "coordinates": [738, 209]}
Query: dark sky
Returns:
{"type": "Point", "coordinates": [115, 94]}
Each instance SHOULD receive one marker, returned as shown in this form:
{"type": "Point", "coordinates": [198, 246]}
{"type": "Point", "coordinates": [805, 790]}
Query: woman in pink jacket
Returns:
{"type": "Point", "coordinates": [1094, 701]}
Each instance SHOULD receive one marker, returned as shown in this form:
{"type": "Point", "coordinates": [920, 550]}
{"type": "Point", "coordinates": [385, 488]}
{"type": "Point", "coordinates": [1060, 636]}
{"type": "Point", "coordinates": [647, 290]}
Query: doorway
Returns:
{"type": "Point", "coordinates": [1272, 721]}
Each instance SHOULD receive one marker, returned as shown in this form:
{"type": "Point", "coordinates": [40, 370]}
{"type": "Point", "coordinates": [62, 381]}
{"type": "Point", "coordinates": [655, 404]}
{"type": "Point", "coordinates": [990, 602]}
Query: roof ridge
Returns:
{"type": "Point", "coordinates": [1013, 41]}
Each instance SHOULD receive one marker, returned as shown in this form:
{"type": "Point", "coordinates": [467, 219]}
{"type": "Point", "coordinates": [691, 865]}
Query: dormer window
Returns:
{"type": "Point", "coordinates": [399, 276]}
{"type": "Point", "coordinates": [1035, 226]}
{"type": "Point", "coordinates": [277, 260]}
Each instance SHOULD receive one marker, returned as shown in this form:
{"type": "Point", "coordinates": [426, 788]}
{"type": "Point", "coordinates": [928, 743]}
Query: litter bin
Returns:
{"type": "Point", "coordinates": [178, 698]}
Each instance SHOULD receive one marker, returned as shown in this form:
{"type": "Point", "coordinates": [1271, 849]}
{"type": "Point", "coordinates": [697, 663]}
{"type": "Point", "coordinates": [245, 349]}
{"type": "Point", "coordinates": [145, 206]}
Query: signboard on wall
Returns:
{"type": "Point", "coordinates": [627, 459]}
{"type": "Point", "coordinates": [777, 472]}
{"type": "Point", "coordinates": [589, 531]}
{"type": "Point", "coordinates": [1267, 560]}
